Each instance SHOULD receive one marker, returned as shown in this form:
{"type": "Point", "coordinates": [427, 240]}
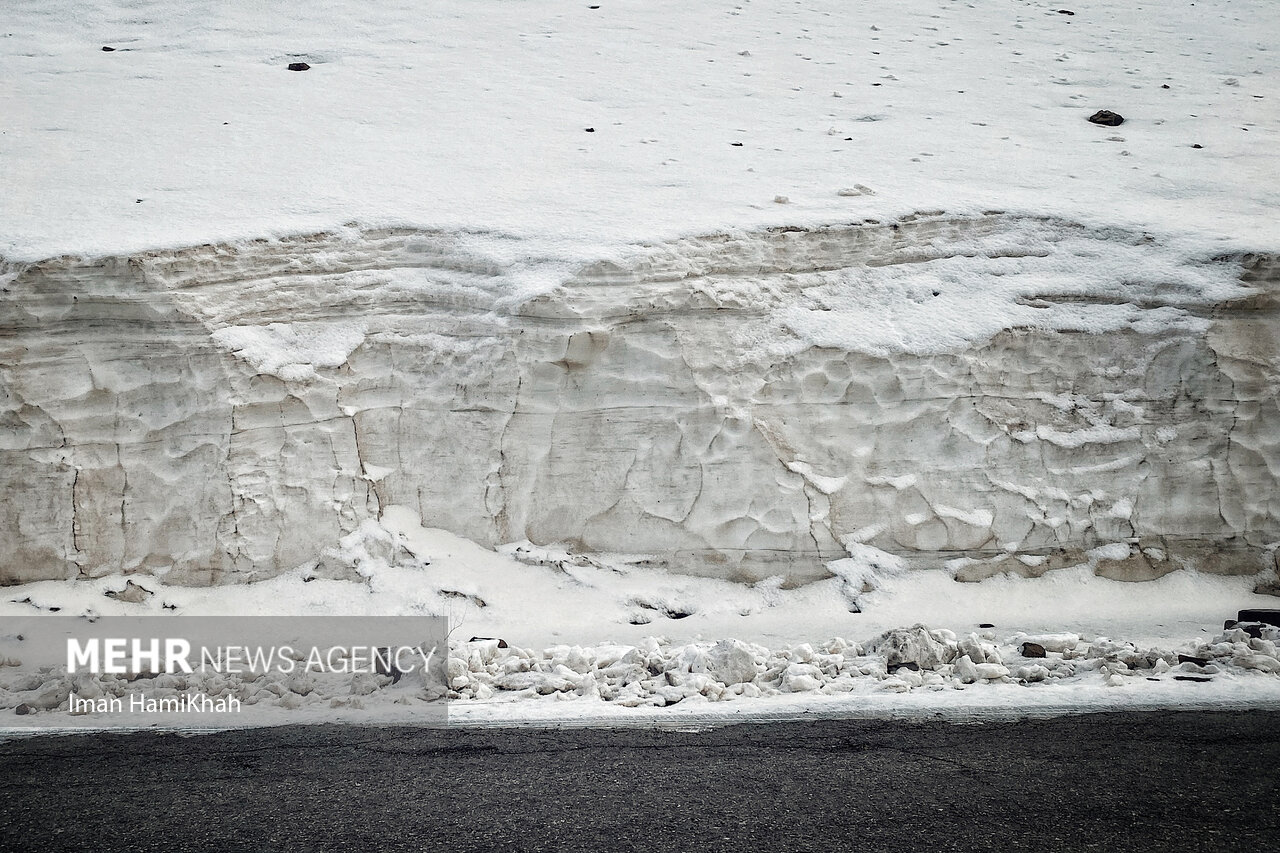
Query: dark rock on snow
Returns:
{"type": "Point", "coordinates": [1106, 117]}
{"type": "Point", "coordinates": [1267, 616]}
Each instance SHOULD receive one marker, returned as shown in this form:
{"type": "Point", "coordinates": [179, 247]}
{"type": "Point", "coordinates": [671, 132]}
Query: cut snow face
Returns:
{"type": "Point", "coordinates": [994, 388]}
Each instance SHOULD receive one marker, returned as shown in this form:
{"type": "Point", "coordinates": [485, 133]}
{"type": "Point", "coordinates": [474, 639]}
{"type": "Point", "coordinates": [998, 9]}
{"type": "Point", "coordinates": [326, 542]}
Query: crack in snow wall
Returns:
{"type": "Point", "coordinates": [996, 393]}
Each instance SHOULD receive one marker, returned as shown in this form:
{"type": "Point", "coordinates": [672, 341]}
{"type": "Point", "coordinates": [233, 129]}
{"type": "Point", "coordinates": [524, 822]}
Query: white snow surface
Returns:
{"type": "Point", "coordinates": [607, 639]}
{"type": "Point", "coordinates": [475, 116]}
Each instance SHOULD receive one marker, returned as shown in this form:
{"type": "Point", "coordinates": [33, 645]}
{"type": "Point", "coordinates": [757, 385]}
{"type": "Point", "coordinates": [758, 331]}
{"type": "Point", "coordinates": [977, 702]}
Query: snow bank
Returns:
{"type": "Point", "coordinates": [942, 387]}
{"type": "Point", "coordinates": [660, 673]}
{"type": "Point", "coordinates": [656, 673]}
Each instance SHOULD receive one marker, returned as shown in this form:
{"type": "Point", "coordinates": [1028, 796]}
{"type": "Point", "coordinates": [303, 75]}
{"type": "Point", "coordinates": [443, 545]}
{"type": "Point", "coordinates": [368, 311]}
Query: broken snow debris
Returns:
{"type": "Point", "coordinates": [912, 645]}
{"type": "Point", "coordinates": [731, 662]}
{"type": "Point", "coordinates": [465, 596]}
{"type": "Point", "coordinates": [132, 593]}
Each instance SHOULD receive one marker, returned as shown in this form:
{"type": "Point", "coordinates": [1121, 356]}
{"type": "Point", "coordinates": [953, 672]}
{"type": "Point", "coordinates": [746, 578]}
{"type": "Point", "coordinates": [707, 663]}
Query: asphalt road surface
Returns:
{"type": "Point", "coordinates": [1130, 782]}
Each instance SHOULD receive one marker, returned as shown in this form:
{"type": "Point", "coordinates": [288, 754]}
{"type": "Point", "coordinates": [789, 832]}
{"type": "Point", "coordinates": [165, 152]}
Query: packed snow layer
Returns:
{"type": "Point", "coordinates": [1003, 392]}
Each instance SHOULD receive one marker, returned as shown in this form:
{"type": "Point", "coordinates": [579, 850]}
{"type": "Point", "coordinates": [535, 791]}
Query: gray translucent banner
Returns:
{"type": "Point", "coordinates": [222, 670]}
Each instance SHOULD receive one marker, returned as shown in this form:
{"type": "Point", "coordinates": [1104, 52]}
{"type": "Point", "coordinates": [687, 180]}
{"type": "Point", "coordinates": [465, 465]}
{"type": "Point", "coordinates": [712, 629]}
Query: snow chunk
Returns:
{"type": "Point", "coordinates": [731, 662]}
{"type": "Point", "coordinates": [1113, 551]}
{"type": "Point", "coordinates": [1097, 434]}
{"type": "Point", "coordinates": [1050, 642]}
{"type": "Point", "coordinates": [863, 568]}
{"type": "Point", "coordinates": [826, 485]}
{"type": "Point", "coordinates": [973, 517]}
{"type": "Point", "coordinates": [913, 645]}
{"type": "Point", "coordinates": [292, 351]}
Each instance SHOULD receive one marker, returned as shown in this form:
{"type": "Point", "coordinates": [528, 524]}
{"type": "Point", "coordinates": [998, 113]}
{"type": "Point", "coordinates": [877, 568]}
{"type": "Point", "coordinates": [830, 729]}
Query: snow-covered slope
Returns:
{"type": "Point", "coordinates": [474, 114]}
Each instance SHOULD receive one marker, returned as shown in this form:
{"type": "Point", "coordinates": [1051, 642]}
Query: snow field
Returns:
{"type": "Point", "coordinates": [474, 115]}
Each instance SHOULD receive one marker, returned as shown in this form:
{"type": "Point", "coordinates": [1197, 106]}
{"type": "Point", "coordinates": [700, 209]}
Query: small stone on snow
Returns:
{"type": "Point", "coordinates": [1107, 118]}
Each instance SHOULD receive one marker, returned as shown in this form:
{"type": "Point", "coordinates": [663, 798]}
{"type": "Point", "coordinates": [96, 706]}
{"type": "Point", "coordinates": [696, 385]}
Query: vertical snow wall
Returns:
{"type": "Point", "coordinates": [993, 393]}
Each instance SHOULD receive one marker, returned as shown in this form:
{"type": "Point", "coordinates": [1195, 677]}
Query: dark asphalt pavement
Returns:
{"type": "Point", "coordinates": [1164, 781]}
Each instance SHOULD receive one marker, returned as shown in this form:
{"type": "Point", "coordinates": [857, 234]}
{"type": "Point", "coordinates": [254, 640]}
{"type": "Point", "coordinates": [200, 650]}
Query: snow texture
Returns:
{"type": "Point", "coordinates": [826, 293]}
{"type": "Point", "coordinates": [941, 388]}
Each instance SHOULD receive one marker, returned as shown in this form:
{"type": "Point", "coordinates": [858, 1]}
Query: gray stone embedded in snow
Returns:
{"type": "Point", "coordinates": [1011, 393]}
